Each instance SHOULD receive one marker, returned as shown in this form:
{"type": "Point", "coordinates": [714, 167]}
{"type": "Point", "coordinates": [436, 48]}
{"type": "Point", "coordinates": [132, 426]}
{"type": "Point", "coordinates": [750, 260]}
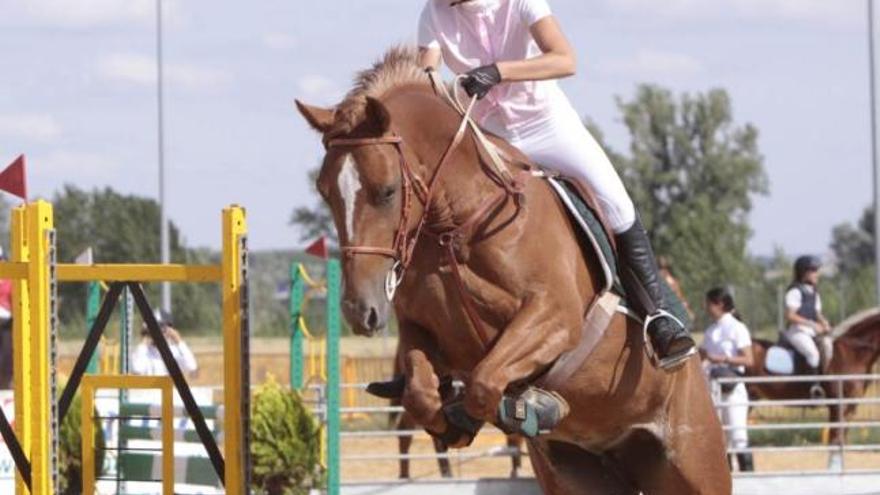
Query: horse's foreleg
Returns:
{"type": "Point", "coordinates": [537, 335]}
{"type": "Point", "coordinates": [421, 397]}
{"type": "Point", "coordinates": [404, 422]}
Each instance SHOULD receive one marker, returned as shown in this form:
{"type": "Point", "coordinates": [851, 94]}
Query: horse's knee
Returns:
{"type": "Point", "coordinates": [483, 396]}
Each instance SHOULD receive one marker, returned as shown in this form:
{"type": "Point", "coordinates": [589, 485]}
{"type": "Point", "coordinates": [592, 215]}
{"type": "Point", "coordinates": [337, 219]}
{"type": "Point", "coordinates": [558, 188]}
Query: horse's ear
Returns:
{"type": "Point", "coordinates": [378, 115]}
{"type": "Point", "coordinates": [321, 119]}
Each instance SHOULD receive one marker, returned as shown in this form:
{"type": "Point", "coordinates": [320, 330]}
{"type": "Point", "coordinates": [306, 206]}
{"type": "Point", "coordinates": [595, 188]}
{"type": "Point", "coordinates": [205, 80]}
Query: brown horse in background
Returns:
{"type": "Point", "coordinates": [527, 284]}
{"type": "Point", "coordinates": [856, 350]}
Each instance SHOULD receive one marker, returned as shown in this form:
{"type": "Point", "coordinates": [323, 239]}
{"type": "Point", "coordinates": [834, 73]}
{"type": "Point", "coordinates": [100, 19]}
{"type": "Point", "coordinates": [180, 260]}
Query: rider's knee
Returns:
{"type": "Point", "coordinates": [620, 212]}
{"type": "Point", "coordinates": [812, 358]}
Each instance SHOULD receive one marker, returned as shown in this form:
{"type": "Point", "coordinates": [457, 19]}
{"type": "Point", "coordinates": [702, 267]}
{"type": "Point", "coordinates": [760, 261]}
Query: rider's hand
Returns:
{"type": "Point", "coordinates": [717, 358]}
{"type": "Point", "coordinates": [480, 80]}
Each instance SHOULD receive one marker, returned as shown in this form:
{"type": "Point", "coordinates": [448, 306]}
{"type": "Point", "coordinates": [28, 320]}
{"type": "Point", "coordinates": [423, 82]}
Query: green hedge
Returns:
{"type": "Point", "coordinates": [285, 442]}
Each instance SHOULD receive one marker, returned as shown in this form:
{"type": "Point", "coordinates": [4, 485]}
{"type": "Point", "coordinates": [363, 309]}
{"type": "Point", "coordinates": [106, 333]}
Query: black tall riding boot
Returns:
{"type": "Point", "coordinates": [745, 461]}
{"type": "Point", "coordinates": [638, 271]}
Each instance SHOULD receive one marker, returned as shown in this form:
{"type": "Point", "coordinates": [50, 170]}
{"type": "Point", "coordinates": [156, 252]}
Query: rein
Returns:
{"type": "Point", "coordinates": [403, 246]}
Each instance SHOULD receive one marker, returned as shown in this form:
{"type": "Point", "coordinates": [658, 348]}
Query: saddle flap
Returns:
{"type": "Point", "coordinates": [576, 201]}
{"type": "Point", "coordinates": [779, 361]}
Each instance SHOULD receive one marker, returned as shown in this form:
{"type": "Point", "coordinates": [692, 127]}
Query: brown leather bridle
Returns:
{"type": "Point", "coordinates": [404, 244]}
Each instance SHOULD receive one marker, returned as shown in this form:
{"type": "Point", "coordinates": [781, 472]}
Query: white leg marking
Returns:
{"type": "Point", "coordinates": [349, 184]}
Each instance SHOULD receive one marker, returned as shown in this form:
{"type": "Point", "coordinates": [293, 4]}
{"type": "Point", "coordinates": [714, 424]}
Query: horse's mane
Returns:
{"type": "Point", "coordinates": [856, 323]}
{"type": "Point", "coordinates": [397, 67]}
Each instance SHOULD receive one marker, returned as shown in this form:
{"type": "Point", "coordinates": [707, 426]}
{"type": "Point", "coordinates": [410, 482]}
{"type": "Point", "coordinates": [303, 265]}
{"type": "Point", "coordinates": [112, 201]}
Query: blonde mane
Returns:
{"type": "Point", "coordinates": [846, 325]}
{"type": "Point", "coordinates": [399, 66]}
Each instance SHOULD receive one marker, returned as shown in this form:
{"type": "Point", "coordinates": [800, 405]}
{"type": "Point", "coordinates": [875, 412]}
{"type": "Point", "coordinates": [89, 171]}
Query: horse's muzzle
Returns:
{"type": "Point", "coordinates": [365, 318]}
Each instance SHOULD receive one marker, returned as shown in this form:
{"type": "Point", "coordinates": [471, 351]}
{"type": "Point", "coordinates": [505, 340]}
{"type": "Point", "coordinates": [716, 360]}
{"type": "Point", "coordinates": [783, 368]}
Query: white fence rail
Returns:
{"type": "Point", "coordinates": [837, 474]}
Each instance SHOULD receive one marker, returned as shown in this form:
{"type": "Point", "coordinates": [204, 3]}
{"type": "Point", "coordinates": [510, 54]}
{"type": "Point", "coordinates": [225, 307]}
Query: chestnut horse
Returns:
{"type": "Point", "coordinates": [856, 350]}
{"type": "Point", "coordinates": [494, 286]}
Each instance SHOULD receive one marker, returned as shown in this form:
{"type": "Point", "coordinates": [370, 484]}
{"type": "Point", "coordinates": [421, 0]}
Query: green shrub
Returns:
{"type": "Point", "coordinates": [285, 442]}
{"type": "Point", "coordinates": [70, 449]}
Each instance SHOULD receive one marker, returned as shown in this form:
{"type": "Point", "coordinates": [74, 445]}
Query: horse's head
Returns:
{"type": "Point", "coordinates": [361, 181]}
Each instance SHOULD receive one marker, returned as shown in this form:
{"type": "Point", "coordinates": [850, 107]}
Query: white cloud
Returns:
{"type": "Point", "coordinates": [652, 64]}
{"type": "Point", "coordinates": [279, 41]}
{"type": "Point", "coordinates": [34, 127]}
{"type": "Point", "coordinates": [141, 69]}
{"type": "Point", "coordinates": [818, 11]}
{"type": "Point", "coordinates": [318, 87]}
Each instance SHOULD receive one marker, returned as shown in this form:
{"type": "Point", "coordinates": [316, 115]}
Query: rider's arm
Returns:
{"type": "Point", "coordinates": [744, 357]}
{"type": "Point", "coordinates": [796, 319]}
{"type": "Point", "coordinates": [557, 59]}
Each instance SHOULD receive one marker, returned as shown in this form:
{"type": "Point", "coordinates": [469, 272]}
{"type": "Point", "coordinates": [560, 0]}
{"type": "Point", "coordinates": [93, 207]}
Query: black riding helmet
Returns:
{"type": "Point", "coordinates": [163, 318]}
{"type": "Point", "coordinates": [804, 265]}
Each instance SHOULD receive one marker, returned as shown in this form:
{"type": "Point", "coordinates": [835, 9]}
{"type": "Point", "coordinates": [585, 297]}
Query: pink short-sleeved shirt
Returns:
{"type": "Point", "coordinates": [481, 32]}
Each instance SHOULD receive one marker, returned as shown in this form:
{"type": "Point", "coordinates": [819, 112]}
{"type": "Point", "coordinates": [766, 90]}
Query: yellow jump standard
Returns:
{"type": "Point", "coordinates": [35, 274]}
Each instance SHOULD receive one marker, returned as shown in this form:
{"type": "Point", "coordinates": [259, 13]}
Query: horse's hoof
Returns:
{"type": "Point", "coordinates": [391, 389]}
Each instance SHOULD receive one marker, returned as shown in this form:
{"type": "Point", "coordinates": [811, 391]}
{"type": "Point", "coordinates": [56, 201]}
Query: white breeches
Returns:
{"type": "Point", "coordinates": [562, 143]}
{"type": "Point", "coordinates": [736, 416]}
{"type": "Point", "coordinates": [806, 345]}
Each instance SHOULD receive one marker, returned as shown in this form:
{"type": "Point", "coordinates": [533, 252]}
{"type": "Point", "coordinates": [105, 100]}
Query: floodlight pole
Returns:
{"type": "Point", "coordinates": [164, 248]}
{"type": "Point", "coordinates": [875, 139]}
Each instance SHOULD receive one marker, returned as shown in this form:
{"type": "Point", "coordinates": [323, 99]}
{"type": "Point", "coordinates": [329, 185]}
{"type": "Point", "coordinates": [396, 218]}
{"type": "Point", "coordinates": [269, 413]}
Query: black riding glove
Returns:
{"type": "Point", "coordinates": [480, 80]}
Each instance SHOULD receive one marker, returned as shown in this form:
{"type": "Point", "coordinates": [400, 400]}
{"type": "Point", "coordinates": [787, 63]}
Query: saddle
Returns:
{"type": "Point", "coordinates": [594, 235]}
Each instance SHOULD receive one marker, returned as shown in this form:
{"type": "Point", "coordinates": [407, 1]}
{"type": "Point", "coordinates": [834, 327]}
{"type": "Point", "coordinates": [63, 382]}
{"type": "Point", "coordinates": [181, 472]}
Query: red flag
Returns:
{"type": "Point", "coordinates": [13, 180]}
{"type": "Point", "coordinates": [318, 248]}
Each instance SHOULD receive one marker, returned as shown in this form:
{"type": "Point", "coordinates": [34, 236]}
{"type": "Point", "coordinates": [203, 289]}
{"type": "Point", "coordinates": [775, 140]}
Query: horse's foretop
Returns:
{"type": "Point", "coordinates": [399, 66]}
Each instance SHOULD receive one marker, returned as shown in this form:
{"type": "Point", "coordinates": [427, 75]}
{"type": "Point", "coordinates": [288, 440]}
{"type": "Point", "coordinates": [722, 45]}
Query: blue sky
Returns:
{"type": "Point", "coordinates": [78, 95]}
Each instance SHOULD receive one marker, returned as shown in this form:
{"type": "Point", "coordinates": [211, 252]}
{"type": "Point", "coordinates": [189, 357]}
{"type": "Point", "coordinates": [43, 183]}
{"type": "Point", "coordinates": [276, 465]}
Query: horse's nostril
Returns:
{"type": "Point", "coordinates": [373, 319]}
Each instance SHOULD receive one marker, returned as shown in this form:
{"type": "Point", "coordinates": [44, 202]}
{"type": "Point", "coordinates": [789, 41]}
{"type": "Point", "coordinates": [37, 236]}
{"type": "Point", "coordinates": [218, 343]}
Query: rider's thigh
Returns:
{"type": "Point", "coordinates": [563, 144]}
{"type": "Point", "coordinates": [804, 344]}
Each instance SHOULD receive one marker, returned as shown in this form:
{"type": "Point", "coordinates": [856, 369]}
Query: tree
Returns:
{"type": "Point", "coordinates": [125, 229]}
{"type": "Point", "coordinates": [853, 245]}
{"type": "Point", "coordinates": [853, 287]}
{"type": "Point", "coordinates": [316, 220]}
{"type": "Point", "coordinates": [692, 174]}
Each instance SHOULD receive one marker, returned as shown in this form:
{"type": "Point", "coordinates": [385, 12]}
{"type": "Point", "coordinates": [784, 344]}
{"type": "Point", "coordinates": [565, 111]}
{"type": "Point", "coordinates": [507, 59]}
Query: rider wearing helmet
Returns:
{"type": "Point", "coordinates": [510, 53]}
{"type": "Point", "coordinates": [148, 361]}
{"type": "Point", "coordinates": [807, 328]}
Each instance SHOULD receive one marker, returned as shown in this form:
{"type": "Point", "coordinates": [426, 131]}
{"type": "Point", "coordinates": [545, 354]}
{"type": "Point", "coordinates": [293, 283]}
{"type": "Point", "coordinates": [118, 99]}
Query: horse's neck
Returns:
{"type": "Point", "coordinates": [462, 185]}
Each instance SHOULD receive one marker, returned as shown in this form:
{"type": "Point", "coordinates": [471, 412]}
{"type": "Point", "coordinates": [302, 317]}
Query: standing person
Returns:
{"type": "Point", "coordinates": [6, 354]}
{"type": "Point", "coordinates": [808, 331]}
{"type": "Point", "coordinates": [146, 359]}
{"type": "Point", "coordinates": [511, 52]}
{"type": "Point", "coordinates": [727, 351]}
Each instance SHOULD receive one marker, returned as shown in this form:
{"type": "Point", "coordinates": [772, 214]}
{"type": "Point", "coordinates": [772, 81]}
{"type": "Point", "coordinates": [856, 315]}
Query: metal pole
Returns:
{"type": "Point", "coordinates": [163, 213]}
{"type": "Point", "coordinates": [875, 138]}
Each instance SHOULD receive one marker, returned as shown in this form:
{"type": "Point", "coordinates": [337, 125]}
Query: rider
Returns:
{"type": "Point", "coordinates": [511, 52]}
{"type": "Point", "coordinates": [806, 324]}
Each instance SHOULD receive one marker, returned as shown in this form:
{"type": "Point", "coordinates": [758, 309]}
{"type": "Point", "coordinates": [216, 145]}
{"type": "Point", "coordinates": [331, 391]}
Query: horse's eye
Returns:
{"type": "Point", "coordinates": [386, 195]}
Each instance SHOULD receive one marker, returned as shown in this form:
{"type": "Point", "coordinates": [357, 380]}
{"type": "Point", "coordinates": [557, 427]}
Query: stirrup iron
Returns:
{"type": "Point", "coordinates": [671, 362]}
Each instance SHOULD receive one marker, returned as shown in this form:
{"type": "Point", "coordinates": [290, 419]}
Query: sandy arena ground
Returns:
{"type": "Point", "coordinates": [500, 466]}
